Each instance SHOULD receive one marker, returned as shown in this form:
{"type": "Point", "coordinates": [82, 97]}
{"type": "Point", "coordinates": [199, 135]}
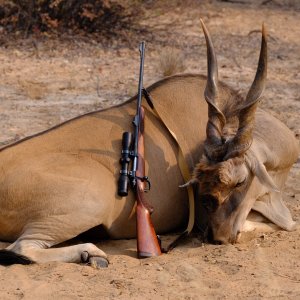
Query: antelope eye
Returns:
{"type": "Point", "coordinates": [210, 203]}
{"type": "Point", "coordinates": [240, 183]}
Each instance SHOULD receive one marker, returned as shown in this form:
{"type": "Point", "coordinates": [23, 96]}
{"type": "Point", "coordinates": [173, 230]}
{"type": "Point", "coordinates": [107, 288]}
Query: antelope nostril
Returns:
{"type": "Point", "coordinates": [216, 242]}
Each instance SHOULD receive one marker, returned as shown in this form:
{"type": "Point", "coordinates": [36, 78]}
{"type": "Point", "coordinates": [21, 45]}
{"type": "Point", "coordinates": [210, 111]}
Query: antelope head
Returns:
{"type": "Point", "coordinates": [226, 171]}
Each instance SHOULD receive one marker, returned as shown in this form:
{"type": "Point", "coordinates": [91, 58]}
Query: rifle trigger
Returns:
{"type": "Point", "coordinates": [147, 189]}
{"type": "Point", "coordinates": [143, 179]}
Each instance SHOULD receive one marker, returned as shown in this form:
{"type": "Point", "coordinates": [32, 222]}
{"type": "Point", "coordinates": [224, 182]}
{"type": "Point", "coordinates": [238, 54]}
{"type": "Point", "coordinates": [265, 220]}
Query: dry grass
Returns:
{"type": "Point", "coordinates": [171, 62]}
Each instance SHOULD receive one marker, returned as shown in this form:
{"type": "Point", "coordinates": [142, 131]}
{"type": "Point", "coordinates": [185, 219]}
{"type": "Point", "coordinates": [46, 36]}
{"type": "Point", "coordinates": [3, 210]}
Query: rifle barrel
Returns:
{"type": "Point", "coordinates": [140, 89]}
{"type": "Point", "coordinates": [136, 121]}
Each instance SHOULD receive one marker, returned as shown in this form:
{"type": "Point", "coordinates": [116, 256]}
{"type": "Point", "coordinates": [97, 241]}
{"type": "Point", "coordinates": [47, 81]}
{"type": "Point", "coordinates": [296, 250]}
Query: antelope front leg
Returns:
{"type": "Point", "coordinates": [35, 251]}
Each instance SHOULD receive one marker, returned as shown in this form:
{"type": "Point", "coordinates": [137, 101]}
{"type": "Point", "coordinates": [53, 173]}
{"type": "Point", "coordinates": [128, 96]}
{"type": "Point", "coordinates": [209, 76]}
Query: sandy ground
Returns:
{"type": "Point", "coordinates": [44, 81]}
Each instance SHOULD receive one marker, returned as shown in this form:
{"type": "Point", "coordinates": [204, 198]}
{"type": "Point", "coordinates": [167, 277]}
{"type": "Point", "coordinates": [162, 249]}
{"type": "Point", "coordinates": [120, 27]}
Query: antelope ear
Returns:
{"type": "Point", "coordinates": [259, 170]}
{"type": "Point", "coordinates": [190, 182]}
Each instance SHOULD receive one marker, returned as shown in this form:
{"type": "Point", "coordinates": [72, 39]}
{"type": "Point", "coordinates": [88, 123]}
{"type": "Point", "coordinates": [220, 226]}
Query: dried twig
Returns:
{"type": "Point", "coordinates": [259, 31]}
{"type": "Point", "coordinates": [254, 31]}
{"type": "Point", "coordinates": [236, 62]}
{"type": "Point", "coordinates": [98, 86]}
{"type": "Point", "coordinates": [266, 2]}
{"type": "Point", "coordinates": [36, 48]}
{"type": "Point", "coordinates": [288, 277]}
{"type": "Point", "coordinates": [234, 1]}
{"type": "Point", "coordinates": [30, 16]}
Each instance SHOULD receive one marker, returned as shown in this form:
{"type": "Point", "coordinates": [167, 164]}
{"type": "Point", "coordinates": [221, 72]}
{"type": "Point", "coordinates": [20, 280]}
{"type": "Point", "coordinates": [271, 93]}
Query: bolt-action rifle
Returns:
{"type": "Point", "coordinates": [133, 155]}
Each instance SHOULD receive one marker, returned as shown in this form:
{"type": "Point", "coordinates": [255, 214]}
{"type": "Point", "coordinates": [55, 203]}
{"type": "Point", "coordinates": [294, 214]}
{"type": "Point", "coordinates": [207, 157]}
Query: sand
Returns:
{"type": "Point", "coordinates": [57, 79]}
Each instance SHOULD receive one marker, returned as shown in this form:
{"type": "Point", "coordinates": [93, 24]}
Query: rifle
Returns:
{"type": "Point", "coordinates": [133, 150]}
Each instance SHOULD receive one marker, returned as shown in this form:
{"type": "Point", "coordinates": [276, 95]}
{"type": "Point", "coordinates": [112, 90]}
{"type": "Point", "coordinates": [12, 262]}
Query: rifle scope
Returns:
{"type": "Point", "coordinates": [124, 161]}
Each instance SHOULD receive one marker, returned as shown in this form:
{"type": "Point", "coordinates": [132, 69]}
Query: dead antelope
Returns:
{"type": "Point", "coordinates": [62, 182]}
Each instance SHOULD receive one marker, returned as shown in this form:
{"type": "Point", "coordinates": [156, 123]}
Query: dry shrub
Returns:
{"type": "Point", "coordinates": [171, 62]}
{"type": "Point", "coordinates": [104, 16]}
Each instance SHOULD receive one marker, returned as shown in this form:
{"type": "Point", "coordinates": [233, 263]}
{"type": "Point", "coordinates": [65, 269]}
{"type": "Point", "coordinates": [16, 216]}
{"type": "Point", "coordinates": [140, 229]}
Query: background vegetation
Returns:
{"type": "Point", "coordinates": [108, 17]}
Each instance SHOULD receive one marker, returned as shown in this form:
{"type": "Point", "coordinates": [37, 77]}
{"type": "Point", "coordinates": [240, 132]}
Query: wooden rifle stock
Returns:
{"type": "Point", "coordinates": [147, 241]}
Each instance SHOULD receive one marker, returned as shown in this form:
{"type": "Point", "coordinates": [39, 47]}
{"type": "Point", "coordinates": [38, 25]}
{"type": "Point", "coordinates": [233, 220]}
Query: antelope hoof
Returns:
{"type": "Point", "coordinates": [98, 262]}
{"type": "Point", "coordinates": [85, 257]}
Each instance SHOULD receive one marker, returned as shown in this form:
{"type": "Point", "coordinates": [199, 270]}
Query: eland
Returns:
{"type": "Point", "coordinates": [63, 181]}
